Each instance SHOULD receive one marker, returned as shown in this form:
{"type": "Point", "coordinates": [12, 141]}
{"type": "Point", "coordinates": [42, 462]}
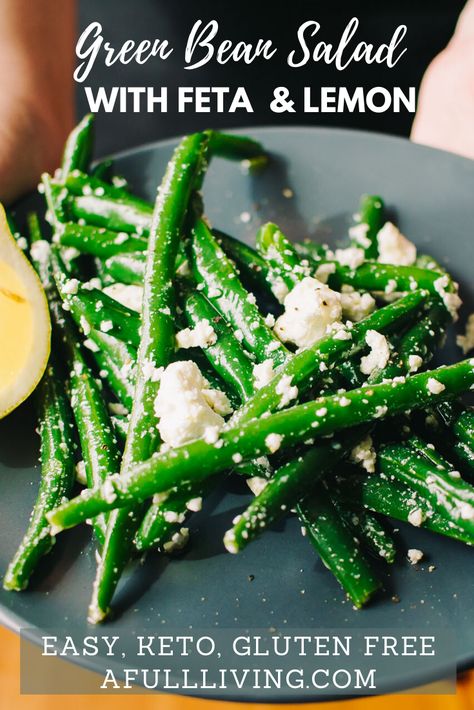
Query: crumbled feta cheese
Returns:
{"type": "Point", "coordinates": [414, 555]}
{"type": "Point", "coordinates": [128, 295]}
{"type": "Point", "coordinates": [171, 516]}
{"type": "Point", "coordinates": [356, 306]}
{"type": "Point", "coordinates": [237, 458]}
{"type": "Point", "coordinates": [364, 454]}
{"type": "Point", "coordinates": [194, 504]}
{"type": "Point", "coordinates": [91, 345]}
{"type": "Point", "coordinates": [239, 335]}
{"type": "Point", "coordinates": [245, 217]}
{"type": "Point", "coordinates": [182, 407]}
{"type": "Point", "coordinates": [338, 331]}
{"type": "Point", "coordinates": [379, 352]}
{"type": "Point", "coordinates": [256, 484]}
{"type": "Point", "coordinates": [217, 400]}
{"type": "Point", "coordinates": [201, 336]}
{"type": "Point", "coordinates": [273, 442]}
{"type": "Point", "coordinates": [434, 386]}
{"type": "Point", "coordinates": [358, 233]}
{"type": "Point", "coordinates": [449, 297]}
{"type": "Point", "coordinates": [71, 287]}
{"type": "Point", "coordinates": [351, 257]}
{"type": "Point", "coordinates": [391, 286]}
{"type": "Point", "coordinates": [415, 517]}
{"type": "Point", "coordinates": [106, 326]}
{"type": "Point", "coordinates": [280, 289]}
{"type": "Point", "coordinates": [270, 320]}
{"type": "Point", "coordinates": [414, 363]}
{"type": "Point", "coordinates": [150, 372]}
{"type": "Point", "coordinates": [263, 372]}
{"type": "Point", "coordinates": [108, 491]}
{"type": "Point", "coordinates": [40, 251]}
{"type": "Point", "coordinates": [309, 308]}
{"type": "Point", "coordinates": [324, 271]}
{"type": "Point", "coordinates": [394, 248]}
{"type": "Point", "coordinates": [178, 541]}
{"type": "Point", "coordinates": [380, 411]}
{"type": "Point", "coordinates": [211, 434]}
{"type": "Point", "coordinates": [466, 341]}
{"type": "Point", "coordinates": [287, 390]}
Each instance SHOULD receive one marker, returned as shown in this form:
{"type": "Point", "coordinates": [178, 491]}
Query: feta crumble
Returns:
{"type": "Point", "coordinates": [273, 442]}
{"type": "Point", "coordinates": [379, 352]}
{"type": "Point", "coordinates": [183, 404]}
{"type": "Point", "coordinates": [195, 504]}
{"type": "Point", "coordinates": [71, 287]}
{"type": "Point", "coordinates": [256, 484]}
{"type": "Point", "coordinates": [351, 257]}
{"type": "Point", "coordinates": [356, 306]}
{"type": "Point", "coordinates": [263, 372]}
{"type": "Point", "coordinates": [394, 248]}
{"type": "Point", "coordinates": [178, 541]}
{"type": "Point", "coordinates": [364, 454]}
{"type": "Point", "coordinates": [309, 308]}
{"type": "Point", "coordinates": [414, 555]}
{"type": "Point", "coordinates": [434, 386]}
{"type": "Point", "coordinates": [450, 298]}
{"type": "Point", "coordinates": [415, 517]}
{"type": "Point", "coordinates": [201, 336]}
{"type": "Point", "coordinates": [414, 363]}
{"type": "Point", "coordinates": [324, 271]}
{"type": "Point", "coordinates": [287, 390]}
{"type": "Point", "coordinates": [466, 341]}
{"type": "Point", "coordinates": [358, 233]}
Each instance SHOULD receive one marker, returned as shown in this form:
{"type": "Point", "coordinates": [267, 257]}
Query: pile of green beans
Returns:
{"type": "Point", "coordinates": [136, 288]}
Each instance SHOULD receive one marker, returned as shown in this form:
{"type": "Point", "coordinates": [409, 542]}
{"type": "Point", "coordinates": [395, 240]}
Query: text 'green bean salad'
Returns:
{"type": "Point", "coordinates": [181, 356]}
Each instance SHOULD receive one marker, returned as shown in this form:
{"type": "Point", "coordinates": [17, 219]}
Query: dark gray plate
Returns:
{"type": "Point", "coordinates": [431, 195]}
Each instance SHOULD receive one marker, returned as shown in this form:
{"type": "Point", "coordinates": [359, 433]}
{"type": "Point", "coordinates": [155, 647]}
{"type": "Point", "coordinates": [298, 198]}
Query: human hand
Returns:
{"type": "Point", "coordinates": [36, 96]}
{"type": "Point", "coordinates": [445, 114]}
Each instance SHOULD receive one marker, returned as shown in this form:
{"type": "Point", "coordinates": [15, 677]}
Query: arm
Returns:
{"type": "Point", "coordinates": [37, 92]}
{"type": "Point", "coordinates": [445, 114]}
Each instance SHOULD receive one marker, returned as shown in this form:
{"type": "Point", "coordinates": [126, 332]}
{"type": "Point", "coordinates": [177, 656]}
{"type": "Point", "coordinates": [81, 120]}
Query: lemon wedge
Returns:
{"type": "Point", "coordinates": [25, 327]}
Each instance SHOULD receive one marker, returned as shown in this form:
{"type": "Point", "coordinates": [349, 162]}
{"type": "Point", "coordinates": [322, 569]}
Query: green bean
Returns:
{"type": "Point", "coordinates": [446, 491]}
{"type": "Point", "coordinates": [225, 355]}
{"type": "Point", "coordinates": [308, 366]}
{"type": "Point", "coordinates": [126, 268]}
{"type": "Point", "coordinates": [321, 417]}
{"type": "Point", "coordinates": [290, 483]}
{"type": "Point", "coordinates": [370, 218]}
{"type": "Point", "coordinates": [368, 529]}
{"type": "Point", "coordinates": [219, 281]}
{"type": "Point", "coordinates": [96, 435]}
{"type": "Point", "coordinates": [337, 547]}
{"type": "Point", "coordinates": [99, 241]}
{"type": "Point", "coordinates": [92, 308]}
{"type": "Point", "coordinates": [79, 145]}
{"type": "Point", "coordinates": [396, 500]}
{"type": "Point", "coordinates": [233, 147]}
{"type": "Point", "coordinates": [116, 361]}
{"type": "Point", "coordinates": [252, 268]}
{"type": "Point", "coordinates": [78, 183]}
{"type": "Point", "coordinates": [57, 477]}
{"type": "Point", "coordinates": [156, 349]}
{"type": "Point", "coordinates": [286, 267]}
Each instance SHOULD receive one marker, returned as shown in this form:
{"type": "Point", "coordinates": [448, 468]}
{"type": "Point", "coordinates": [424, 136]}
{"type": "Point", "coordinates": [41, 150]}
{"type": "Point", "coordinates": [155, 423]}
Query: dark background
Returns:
{"type": "Point", "coordinates": [430, 25]}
